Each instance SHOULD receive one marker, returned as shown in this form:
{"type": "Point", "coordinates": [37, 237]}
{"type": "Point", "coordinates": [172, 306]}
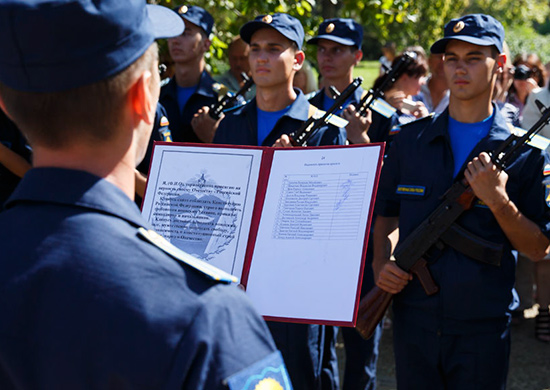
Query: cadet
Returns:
{"type": "Point", "coordinates": [459, 338]}
{"type": "Point", "coordinates": [191, 87]}
{"type": "Point", "coordinates": [275, 56]}
{"type": "Point", "coordinates": [91, 297]}
{"type": "Point", "coordinates": [338, 44]}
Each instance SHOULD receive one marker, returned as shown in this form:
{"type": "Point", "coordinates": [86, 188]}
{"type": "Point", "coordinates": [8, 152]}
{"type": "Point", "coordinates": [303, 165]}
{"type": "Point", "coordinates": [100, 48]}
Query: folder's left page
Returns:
{"type": "Point", "coordinates": [201, 199]}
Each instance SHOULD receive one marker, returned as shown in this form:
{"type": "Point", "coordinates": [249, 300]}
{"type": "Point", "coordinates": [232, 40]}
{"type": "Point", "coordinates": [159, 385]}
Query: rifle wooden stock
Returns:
{"type": "Point", "coordinates": [372, 308]}
{"type": "Point", "coordinates": [409, 253]}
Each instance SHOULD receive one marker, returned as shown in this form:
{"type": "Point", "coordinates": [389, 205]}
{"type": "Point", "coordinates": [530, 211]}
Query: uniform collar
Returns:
{"type": "Point", "coordinates": [299, 109]}
{"type": "Point", "coordinates": [75, 189]}
{"type": "Point", "coordinates": [204, 87]}
{"type": "Point", "coordinates": [499, 130]}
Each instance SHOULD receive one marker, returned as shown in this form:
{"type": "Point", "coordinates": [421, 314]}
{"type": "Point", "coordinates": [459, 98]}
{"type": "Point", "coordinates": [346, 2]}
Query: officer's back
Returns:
{"type": "Point", "coordinates": [89, 296]}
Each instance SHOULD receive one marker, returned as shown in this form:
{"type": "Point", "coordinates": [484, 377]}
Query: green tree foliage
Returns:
{"type": "Point", "coordinates": [405, 22]}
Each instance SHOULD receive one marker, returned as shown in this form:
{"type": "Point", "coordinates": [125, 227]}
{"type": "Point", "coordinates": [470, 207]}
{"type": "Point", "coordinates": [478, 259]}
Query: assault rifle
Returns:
{"type": "Point", "coordinates": [389, 79]}
{"type": "Point", "coordinates": [410, 254]}
{"type": "Point", "coordinates": [300, 136]}
{"type": "Point", "coordinates": [230, 99]}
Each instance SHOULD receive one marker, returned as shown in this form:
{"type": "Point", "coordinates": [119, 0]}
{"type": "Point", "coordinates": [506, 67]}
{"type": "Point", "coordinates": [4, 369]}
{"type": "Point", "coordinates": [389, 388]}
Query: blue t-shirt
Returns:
{"type": "Point", "coordinates": [464, 136]}
{"type": "Point", "coordinates": [267, 121]}
{"type": "Point", "coordinates": [184, 93]}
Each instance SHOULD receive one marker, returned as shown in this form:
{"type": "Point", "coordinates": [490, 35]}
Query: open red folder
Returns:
{"type": "Point", "coordinates": [291, 223]}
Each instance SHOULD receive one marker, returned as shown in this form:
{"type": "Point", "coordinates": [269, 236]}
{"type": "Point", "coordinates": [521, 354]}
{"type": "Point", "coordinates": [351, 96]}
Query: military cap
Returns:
{"type": "Point", "coordinates": [55, 45]}
{"type": "Point", "coordinates": [344, 31]}
{"type": "Point", "coordinates": [478, 29]}
{"type": "Point", "coordinates": [287, 25]}
{"type": "Point", "coordinates": [196, 15]}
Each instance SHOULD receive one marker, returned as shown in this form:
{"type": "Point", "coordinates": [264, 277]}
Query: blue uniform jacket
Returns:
{"type": "Point", "coordinates": [473, 296]}
{"type": "Point", "coordinates": [180, 122]}
{"type": "Point", "coordinates": [87, 304]}
{"type": "Point", "coordinates": [240, 127]}
{"type": "Point", "coordinates": [381, 126]}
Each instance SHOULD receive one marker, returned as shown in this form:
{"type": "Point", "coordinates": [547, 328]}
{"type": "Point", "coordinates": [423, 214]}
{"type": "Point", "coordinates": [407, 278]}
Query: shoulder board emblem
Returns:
{"type": "Point", "coordinates": [538, 141]}
{"type": "Point", "coordinates": [176, 253]}
{"type": "Point", "coordinates": [383, 108]}
{"type": "Point", "coordinates": [268, 374]}
{"type": "Point", "coordinates": [333, 119]}
{"type": "Point", "coordinates": [164, 121]}
{"type": "Point", "coordinates": [546, 170]}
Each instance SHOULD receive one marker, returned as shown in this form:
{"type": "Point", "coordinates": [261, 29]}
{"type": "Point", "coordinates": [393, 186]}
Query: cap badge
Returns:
{"type": "Point", "coordinates": [183, 9]}
{"type": "Point", "coordinates": [330, 28]}
{"type": "Point", "coordinates": [267, 19]}
{"type": "Point", "coordinates": [458, 27]}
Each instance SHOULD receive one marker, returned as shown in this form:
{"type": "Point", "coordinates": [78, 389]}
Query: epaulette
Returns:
{"type": "Point", "coordinates": [381, 106]}
{"type": "Point", "coordinates": [397, 128]}
{"type": "Point", "coordinates": [538, 141]}
{"type": "Point", "coordinates": [333, 119]}
{"type": "Point", "coordinates": [185, 258]}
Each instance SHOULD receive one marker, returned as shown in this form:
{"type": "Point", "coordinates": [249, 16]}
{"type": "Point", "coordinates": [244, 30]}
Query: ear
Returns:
{"type": "Point", "coordinates": [206, 44]}
{"type": "Point", "coordinates": [299, 58]}
{"type": "Point", "coordinates": [358, 56]}
{"type": "Point", "coordinates": [142, 100]}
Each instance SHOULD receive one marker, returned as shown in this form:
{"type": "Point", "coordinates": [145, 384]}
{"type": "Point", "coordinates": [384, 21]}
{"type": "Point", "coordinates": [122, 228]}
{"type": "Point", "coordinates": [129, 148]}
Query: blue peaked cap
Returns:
{"type": "Point", "coordinates": [196, 15]}
{"type": "Point", "coordinates": [287, 25]}
{"type": "Point", "coordinates": [343, 31]}
{"type": "Point", "coordinates": [56, 45]}
{"type": "Point", "coordinates": [478, 29]}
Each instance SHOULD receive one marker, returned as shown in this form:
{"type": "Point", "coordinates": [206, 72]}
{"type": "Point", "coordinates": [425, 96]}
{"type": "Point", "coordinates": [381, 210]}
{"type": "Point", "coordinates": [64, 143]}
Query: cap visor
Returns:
{"type": "Point", "coordinates": [439, 46]}
{"type": "Point", "coordinates": [342, 41]}
{"type": "Point", "coordinates": [166, 23]}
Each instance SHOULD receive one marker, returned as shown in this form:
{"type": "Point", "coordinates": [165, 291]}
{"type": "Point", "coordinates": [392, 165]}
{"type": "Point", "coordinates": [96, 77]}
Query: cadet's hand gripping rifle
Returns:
{"type": "Point", "coordinates": [410, 253]}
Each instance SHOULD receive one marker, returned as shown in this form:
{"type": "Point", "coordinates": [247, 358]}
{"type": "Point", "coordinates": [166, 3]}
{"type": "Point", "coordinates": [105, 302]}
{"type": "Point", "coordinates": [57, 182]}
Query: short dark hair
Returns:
{"type": "Point", "coordinates": [53, 118]}
{"type": "Point", "coordinates": [417, 68]}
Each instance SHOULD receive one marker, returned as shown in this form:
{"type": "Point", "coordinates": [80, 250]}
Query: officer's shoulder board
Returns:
{"type": "Point", "coordinates": [381, 106]}
{"type": "Point", "coordinates": [421, 121]}
{"type": "Point", "coordinates": [538, 141]}
{"type": "Point", "coordinates": [333, 119]}
{"type": "Point", "coordinates": [206, 269]}
{"type": "Point", "coordinates": [268, 374]}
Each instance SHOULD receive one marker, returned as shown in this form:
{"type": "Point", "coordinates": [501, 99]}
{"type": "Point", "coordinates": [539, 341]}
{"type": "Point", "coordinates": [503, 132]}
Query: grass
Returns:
{"type": "Point", "coordinates": [369, 70]}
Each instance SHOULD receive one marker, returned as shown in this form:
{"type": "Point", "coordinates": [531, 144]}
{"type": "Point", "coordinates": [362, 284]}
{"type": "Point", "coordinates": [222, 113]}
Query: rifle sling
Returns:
{"type": "Point", "coordinates": [472, 246]}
